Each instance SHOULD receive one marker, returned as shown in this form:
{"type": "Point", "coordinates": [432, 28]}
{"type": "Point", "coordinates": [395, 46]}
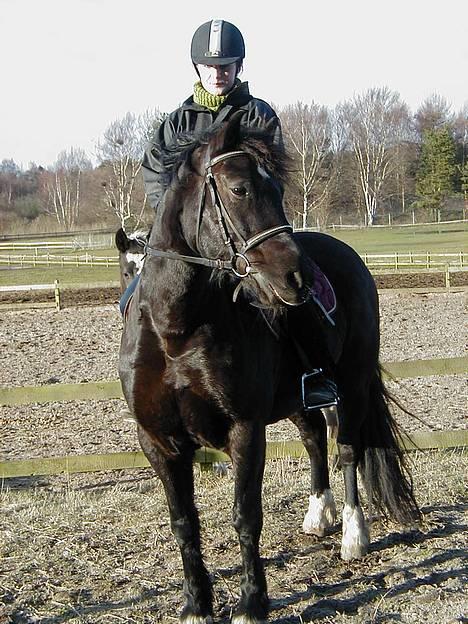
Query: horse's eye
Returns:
{"type": "Point", "coordinates": [240, 191]}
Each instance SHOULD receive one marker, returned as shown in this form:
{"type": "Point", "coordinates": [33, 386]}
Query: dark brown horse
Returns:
{"type": "Point", "coordinates": [209, 356]}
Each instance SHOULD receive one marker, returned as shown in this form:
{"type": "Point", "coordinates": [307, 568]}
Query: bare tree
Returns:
{"type": "Point", "coordinates": [121, 152]}
{"type": "Point", "coordinates": [63, 186]}
{"type": "Point", "coordinates": [307, 133]}
{"type": "Point", "coordinates": [9, 173]}
{"type": "Point", "coordinates": [433, 113]}
{"type": "Point", "coordinates": [375, 123]}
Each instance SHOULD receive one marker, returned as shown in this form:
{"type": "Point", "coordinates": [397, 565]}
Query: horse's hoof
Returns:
{"type": "Point", "coordinates": [355, 542]}
{"type": "Point", "coordinates": [246, 619]}
{"type": "Point", "coordinates": [321, 515]}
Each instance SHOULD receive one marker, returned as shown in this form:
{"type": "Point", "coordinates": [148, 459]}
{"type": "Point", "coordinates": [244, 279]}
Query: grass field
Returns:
{"type": "Point", "coordinates": [65, 275]}
{"type": "Point", "coordinates": [434, 238]}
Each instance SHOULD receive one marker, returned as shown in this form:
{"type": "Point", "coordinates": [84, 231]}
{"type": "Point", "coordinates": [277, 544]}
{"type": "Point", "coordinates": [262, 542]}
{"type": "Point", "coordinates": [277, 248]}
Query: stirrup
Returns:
{"type": "Point", "coordinates": [318, 391]}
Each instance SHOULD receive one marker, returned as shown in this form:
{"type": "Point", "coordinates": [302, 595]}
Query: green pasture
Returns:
{"type": "Point", "coordinates": [434, 238]}
{"type": "Point", "coordinates": [444, 238]}
{"type": "Point", "coordinates": [65, 275]}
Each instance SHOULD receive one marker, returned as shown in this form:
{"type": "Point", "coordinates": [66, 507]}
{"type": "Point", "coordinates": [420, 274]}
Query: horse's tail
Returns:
{"type": "Point", "coordinates": [383, 466]}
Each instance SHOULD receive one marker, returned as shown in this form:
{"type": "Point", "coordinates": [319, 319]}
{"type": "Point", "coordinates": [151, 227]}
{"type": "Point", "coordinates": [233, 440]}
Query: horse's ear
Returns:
{"type": "Point", "coordinates": [121, 240]}
{"type": "Point", "coordinates": [228, 136]}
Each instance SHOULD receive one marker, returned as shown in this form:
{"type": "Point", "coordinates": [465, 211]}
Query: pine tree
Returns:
{"type": "Point", "coordinates": [436, 175]}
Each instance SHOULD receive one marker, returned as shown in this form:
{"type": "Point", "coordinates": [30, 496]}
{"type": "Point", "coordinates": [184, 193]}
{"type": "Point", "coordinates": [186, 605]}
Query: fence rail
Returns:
{"type": "Point", "coordinates": [394, 261]}
{"type": "Point", "coordinates": [34, 287]}
{"type": "Point", "coordinates": [390, 225]}
{"type": "Point", "coordinates": [42, 246]}
{"type": "Point", "coordinates": [102, 390]}
{"type": "Point", "coordinates": [415, 261]}
{"type": "Point", "coordinates": [275, 450]}
{"type": "Point", "coordinates": [284, 449]}
{"type": "Point", "coordinates": [86, 260]}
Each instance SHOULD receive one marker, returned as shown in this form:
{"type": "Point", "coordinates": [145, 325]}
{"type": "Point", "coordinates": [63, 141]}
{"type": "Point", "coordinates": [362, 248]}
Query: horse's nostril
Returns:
{"type": "Point", "coordinates": [295, 280]}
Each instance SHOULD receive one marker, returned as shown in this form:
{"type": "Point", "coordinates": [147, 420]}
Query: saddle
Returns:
{"type": "Point", "coordinates": [318, 389]}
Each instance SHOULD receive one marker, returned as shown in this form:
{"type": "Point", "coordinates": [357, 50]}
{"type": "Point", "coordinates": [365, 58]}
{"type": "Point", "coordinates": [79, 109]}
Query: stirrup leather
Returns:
{"type": "Point", "coordinates": [318, 391]}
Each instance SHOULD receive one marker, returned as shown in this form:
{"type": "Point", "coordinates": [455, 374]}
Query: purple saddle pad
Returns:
{"type": "Point", "coordinates": [323, 293]}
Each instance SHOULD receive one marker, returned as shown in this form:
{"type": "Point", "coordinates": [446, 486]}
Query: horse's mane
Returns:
{"type": "Point", "coordinates": [256, 142]}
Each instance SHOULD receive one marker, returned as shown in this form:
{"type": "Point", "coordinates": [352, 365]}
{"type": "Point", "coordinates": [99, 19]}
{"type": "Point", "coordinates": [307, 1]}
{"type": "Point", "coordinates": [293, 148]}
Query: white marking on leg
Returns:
{"type": "Point", "coordinates": [321, 514]}
{"type": "Point", "coordinates": [197, 619]}
{"type": "Point", "coordinates": [246, 619]}
{"type": "Point", "coordinates": [355, 542]}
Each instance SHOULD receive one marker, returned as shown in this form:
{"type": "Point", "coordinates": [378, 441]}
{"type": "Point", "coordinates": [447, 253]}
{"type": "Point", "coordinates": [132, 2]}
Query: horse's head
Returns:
{"type": "Point", "coordinates": [228, 198]}
{"type": "Point", "coordinates": [131, 255]}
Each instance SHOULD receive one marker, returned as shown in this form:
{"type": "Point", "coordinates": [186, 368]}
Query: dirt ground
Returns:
{"type": "Point", "coordinates": [98, 548]}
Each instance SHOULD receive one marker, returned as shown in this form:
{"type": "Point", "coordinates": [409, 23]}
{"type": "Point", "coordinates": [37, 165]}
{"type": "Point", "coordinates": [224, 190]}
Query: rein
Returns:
{"type": "Point", "coordinates": [224, 220]}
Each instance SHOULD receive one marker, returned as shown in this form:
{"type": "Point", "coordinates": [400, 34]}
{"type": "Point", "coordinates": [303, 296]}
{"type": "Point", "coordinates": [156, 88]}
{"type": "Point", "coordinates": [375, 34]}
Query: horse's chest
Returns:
{"type": "Point", "coordinates": [202, 372]}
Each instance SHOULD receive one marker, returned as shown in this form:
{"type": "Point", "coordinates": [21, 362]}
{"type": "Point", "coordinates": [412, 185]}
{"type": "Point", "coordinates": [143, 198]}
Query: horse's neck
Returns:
{"type": "Point", "coordinates": [174, 291]}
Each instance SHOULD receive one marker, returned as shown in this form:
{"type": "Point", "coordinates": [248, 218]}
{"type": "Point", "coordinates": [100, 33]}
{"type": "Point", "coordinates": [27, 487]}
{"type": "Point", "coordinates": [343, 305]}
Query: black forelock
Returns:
{"type": "Point", "coordinates": [256, 142]}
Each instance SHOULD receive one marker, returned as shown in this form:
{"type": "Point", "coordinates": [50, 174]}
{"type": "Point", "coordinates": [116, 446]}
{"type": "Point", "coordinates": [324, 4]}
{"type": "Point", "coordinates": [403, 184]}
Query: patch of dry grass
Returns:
{"type": "Point", "coordinates": [98, 548]}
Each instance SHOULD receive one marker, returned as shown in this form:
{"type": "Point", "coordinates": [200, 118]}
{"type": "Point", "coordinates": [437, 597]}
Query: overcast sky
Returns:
{"type": "Point", "coordinates": [71, 67]}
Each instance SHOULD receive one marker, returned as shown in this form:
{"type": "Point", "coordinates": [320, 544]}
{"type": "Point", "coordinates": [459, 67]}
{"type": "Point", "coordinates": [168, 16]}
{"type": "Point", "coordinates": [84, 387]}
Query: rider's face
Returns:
{"type": "Point", "coordinates": [217, 79]}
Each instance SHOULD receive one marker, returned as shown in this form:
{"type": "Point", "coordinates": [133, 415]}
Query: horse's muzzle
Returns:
{"type": "Point", "coordinates": [279, 272]}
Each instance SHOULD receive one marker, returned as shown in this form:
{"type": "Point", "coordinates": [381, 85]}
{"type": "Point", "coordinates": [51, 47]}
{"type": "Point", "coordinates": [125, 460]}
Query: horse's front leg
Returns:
{"type": "Point", "coordinates": [247, 450]}
{"type": "Point", "coordinates": [176, 475]}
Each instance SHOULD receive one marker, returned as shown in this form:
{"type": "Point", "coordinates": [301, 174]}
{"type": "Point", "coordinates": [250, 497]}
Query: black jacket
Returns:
{"type": "Point", "coordinates": [192, 117]}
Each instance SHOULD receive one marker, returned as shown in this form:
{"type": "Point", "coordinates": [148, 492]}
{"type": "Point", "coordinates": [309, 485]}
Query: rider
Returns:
{"type": "Point", "coordinates": [217, 53]}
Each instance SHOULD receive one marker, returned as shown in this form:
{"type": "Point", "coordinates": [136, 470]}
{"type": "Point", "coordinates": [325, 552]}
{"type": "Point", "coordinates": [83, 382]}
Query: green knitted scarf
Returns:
{"type": "Point", "coordinates": [205, 98]}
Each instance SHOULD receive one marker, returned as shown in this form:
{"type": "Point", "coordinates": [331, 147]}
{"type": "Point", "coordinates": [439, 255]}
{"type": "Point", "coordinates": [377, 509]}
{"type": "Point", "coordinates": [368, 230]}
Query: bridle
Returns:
{"type": "Point", "coordinates": [226, 224]}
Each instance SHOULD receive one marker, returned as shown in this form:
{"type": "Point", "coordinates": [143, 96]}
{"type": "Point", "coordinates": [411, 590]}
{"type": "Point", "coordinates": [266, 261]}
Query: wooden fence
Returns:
{"type": "Point", "coordinates": [31, 287]}
{"type": "Point", "coordinates": [394, 261]}
{"type": "Point", "coordinates": [275, 450]}
{"type": "Point", "coordinates": [284, 449]}
{"type": "Point", "coordinates": [52, 260]}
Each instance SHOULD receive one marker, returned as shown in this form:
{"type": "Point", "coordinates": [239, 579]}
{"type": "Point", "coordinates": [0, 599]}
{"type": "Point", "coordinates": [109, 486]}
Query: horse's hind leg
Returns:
{"type": "Point", "coordinates": [321, 514]}
{"type": "Point", "coordinates": [355, 539]}
{"type": "Point", "coordinates": [247, 450]}
{"type": "Point", "coordinates": [177, 478]}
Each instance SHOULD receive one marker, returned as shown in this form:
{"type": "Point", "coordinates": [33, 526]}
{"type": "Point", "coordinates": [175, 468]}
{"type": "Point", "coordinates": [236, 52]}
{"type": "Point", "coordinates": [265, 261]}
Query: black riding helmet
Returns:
{"type": "Point", "coordinates": [217, 43]}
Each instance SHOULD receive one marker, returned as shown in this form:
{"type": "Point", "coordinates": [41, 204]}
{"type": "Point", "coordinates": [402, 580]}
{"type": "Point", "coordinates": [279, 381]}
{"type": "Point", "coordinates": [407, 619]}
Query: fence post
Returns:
{"type": "Point", "coordinates": [57, 294]}
{"type": "Point", "coordinates": [447, 276]}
